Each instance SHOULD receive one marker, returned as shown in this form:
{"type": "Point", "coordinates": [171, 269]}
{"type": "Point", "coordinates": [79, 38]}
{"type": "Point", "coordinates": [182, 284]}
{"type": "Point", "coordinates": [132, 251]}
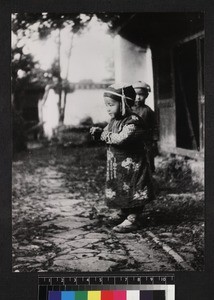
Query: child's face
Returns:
{"type": "Point", "coordinates": [141, 95]}
{"type": "Point", "coordinates": [112, 106]}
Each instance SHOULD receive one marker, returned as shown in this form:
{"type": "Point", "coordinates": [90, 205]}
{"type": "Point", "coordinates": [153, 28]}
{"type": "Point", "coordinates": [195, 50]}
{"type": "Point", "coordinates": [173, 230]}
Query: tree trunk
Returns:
{"type": "Point", "coordinates": [64, 105]}
{"type": "Point", "coordinates": [66, 77]}
{"type": "Point", "coordinates": [59, 78]}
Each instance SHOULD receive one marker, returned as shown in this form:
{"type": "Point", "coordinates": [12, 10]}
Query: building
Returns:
{"type": "Point", "coordinates": [167, 51]}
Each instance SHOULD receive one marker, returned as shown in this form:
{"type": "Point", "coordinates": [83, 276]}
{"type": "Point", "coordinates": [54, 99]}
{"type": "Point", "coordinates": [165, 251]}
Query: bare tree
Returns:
{"type": "Point", "coordinates": [44, 25]}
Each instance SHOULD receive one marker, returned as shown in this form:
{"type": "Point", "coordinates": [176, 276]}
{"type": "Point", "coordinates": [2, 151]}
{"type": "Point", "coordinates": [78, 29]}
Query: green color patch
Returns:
{"type": "Point", "coordinates": [83, 295]}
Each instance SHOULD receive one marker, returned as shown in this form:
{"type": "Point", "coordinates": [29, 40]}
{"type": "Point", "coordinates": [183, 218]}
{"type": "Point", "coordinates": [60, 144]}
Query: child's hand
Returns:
{"type": "Point", "coordinates": [95, 130]}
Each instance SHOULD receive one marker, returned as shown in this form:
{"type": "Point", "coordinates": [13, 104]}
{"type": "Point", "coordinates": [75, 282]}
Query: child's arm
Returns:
{"type": "Point", "coordinates": [128, 134]}
{"type": "Point", "coordinates": [96, 132]}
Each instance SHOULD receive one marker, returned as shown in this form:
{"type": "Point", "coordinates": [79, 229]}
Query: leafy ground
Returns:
{"type": "Point", "coordinates": [175, 217]}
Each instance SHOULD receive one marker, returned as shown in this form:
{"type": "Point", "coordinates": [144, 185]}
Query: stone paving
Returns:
{"type": "Point", "coordinates": [57, 227]}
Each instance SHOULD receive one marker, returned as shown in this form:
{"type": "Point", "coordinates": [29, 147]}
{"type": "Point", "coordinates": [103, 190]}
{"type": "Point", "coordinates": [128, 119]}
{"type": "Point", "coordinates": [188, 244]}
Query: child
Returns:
{"type": "Point", "coordinates": [142, 90]}
{"type": "Point", "coordinates": [128, 178]}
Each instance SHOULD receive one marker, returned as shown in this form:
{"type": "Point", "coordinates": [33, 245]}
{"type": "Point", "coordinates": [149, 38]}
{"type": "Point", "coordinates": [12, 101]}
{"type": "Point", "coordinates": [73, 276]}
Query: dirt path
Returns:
{"type": "Point", "coordinates": [60, 220]}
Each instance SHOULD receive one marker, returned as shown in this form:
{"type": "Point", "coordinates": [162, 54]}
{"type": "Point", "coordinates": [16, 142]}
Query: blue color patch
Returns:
{"type": "Point", "coordinates": [67, 295]}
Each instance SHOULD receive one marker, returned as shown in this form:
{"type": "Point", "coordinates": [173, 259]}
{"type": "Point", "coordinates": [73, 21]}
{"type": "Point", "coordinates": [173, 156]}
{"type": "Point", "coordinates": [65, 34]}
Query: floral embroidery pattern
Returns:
{"type": "Point", "coordinates": [136, 166]}
{"type": "Point", "coordinates": [110, 193]}
{"type": "Point", "coordinates": [135, 118]}
{"type": "Point", "coordinates": [127, 163]}
{"type": "Point", "coordinates": [126, 187]}
{"type": "Point", "coordinates": [139, 195]}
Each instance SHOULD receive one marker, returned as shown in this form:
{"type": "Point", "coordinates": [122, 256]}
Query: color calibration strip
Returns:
{"type": "Point", "coordinates": [107, 288]}
{"type": "Point", "coordinates": [107, 295]}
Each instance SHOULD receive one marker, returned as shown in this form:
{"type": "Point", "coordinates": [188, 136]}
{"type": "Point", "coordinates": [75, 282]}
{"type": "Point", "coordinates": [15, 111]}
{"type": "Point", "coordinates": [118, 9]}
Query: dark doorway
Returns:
{"type": "Point", "coordinates": [201, 93]}
{"type": "Point", "coordinates": [186, 95]}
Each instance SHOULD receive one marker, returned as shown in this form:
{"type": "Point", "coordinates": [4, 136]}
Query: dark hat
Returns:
{"type": "Point", "coordinates": [141, 85]}
{"type": "Point", "coordinates": [117, 91]}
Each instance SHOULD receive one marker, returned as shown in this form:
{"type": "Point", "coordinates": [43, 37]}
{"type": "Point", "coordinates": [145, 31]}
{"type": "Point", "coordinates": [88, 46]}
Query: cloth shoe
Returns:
{"type": "Point", "coordinates": [128, 225]}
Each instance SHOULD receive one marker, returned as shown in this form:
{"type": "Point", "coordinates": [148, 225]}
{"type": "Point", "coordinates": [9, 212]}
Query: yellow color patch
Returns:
{"type": "Point", "coordinates": [94, 295]}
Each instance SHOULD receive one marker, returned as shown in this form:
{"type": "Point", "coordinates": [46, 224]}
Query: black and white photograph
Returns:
{"type": "Point", "coordinates": [108, 134]}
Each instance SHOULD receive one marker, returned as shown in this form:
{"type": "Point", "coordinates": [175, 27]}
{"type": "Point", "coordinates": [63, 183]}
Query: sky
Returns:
{"type": "Point", "coordinates": [91, 52]}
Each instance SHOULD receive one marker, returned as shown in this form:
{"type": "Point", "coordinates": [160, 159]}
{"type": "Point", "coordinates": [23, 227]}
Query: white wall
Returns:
{"type": "Point", "coordinates": [80, 104]}
{"type": "Point", "coordinates": [85, 103]}
{"type": "Point", "coordinates": [133, 63]}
